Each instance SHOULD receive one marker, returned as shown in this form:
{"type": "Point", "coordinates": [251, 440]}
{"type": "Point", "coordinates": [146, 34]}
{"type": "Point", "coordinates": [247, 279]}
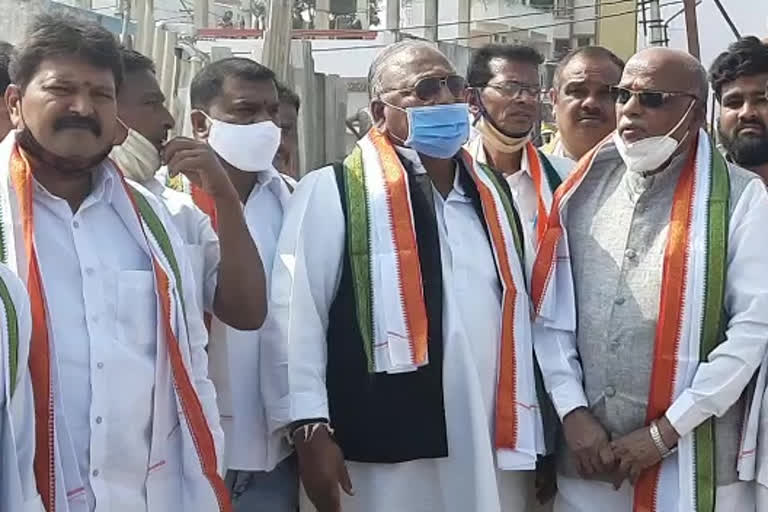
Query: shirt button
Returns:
{"type": "Point", "coordinates": [98, 420]}
{"type": "Point", "coordinates": [630, 254]}
{"type": "Point", "coordinates": [619, 301]}
{"type": "Point", "coordinates": [89, 271]}
{"type": "Point", "coordinates": [99, 365]}
{"type": "Point", "coordinates": [75, 224]}
{"type": "Point", "coordinates": [95, 472]}
{"type": "Point", "coordinates": [610, 391]}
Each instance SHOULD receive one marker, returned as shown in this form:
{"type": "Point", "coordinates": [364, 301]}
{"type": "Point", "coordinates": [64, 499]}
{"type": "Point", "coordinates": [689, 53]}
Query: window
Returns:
{"type": "Point", "coordinates": [583, 41]}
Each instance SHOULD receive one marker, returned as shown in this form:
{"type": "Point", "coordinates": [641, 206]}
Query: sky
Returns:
{"type": "Point", "coordinates": [749, 16]}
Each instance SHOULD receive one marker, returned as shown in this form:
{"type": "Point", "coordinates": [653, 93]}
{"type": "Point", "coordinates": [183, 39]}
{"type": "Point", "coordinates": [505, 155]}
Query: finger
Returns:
{"type": "Point", "coordinates": [177, 144]}
{"type": "Point", "coordinates": [625, 466]}
{"type": "Point", "coordinates": [618, 481]}
{"type": "Point", "coordinates": [345, 481]}
{"type": "Point", "coordinates": [607, 457]}
{"type": "Point", "coordinates": [185, 155]}
{"type": "Point", "coordinates": [588, 465]}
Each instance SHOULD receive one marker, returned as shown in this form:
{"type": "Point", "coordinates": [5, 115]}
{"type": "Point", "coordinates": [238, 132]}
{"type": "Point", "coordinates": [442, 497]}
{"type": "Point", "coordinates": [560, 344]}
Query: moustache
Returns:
{"type": "Point", "coordinates": [87, 123]}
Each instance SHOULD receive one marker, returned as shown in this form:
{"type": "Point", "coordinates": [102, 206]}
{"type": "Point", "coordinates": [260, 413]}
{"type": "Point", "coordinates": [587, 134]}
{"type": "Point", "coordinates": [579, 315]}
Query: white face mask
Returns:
{"type": "Point", "coordinates": [652, 152]}
{"type": "Point", "coordinates": [247, 147]}
{"type": "Point", "coordinates": [138, 158]}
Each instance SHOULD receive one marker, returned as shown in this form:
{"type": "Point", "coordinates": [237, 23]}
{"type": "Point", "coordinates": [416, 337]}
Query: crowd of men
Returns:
{"type": "Point", "coordinates": [450, 319]}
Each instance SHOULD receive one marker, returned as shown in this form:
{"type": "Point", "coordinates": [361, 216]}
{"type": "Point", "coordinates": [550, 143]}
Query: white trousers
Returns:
{"type": "Point", "coordinates": [577, 495]}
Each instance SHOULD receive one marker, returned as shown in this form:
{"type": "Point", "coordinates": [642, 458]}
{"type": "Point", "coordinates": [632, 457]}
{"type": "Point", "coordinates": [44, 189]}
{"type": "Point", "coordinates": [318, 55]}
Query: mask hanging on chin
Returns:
{"type": "Point", "coordinates": [136, 157]}
{"type": "Point", "coordinates": [69, 164]}
{"type": "Point", "coordinates": [651, 153]}
{"type": "Point", "coordinates": [247, 147]}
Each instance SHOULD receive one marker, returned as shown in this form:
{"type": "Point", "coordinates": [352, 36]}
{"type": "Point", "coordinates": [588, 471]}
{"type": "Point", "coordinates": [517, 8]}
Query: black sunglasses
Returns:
{"type": "Point", "coordinates": [428, 88]}
{"type": "Point", "coordinates": [648, 99]}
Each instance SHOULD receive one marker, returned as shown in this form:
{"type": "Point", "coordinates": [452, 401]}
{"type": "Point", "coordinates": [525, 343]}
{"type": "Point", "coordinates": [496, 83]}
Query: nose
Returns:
{"type": "Point", "coordinates": [631, 108]}
{"type": "Point", "coordinates": [444, 95]}
{"type": "Point", "coordinates": [168, 121]}
{"type": "Point", "coordinates": [747, 112]}
{"type": "Point", "coordinates": [82, 105]}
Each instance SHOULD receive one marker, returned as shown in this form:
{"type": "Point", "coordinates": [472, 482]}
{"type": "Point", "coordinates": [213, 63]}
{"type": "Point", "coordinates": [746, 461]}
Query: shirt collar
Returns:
{"type": "Point", "coordinates": [102, 187]}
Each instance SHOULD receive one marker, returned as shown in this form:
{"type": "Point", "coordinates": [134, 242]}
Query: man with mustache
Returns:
{"type": "Point", "coordinates": [739, 78]}
{"type": "Point", "coordinates": [584, 109]}
{"type": "Point", "coordinates": [229, 275]}
{"type": "Point", "coordinates": [650, 292]}
{"type": "Point", "coordinates": [126, 418]}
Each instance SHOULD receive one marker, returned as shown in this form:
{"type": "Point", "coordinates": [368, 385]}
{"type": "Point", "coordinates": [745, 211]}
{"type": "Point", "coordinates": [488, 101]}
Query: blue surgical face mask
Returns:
{"type": "Point", "coordinates": [438, 131]}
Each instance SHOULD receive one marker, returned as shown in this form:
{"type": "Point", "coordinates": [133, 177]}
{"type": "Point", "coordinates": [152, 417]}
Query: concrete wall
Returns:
{"type": "Point", "coordinates": [618, 33]}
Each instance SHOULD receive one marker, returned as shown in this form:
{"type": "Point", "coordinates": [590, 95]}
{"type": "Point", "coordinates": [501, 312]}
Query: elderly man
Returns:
{"type": "Point", "coordinates": [584, 109]}
{"type": "Point", "coordinates": [739, 77]}
{"type": "Point", "coordinates": [126, 417]}
{"type": "Point", "coordinates": [504, 99]}
{"type": "Point", "coordinates": [399, 290]}
{"type": "Point", "coordinates": [229, 277]}
{"type": "Point", "coordinates": [661, 245]}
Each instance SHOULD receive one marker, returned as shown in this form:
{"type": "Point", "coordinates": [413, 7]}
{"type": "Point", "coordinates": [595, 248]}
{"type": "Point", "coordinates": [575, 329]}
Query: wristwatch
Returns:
{"type": "Point", "coordinates": [664, 451]}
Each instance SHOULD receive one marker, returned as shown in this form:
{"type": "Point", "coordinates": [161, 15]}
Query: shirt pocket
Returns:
{"type": "Point", "coordinates": [137, 310]}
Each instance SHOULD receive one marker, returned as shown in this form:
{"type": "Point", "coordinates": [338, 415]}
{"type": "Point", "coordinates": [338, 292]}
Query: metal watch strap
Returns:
{"type": "Point", "coordinates": [664, 451]}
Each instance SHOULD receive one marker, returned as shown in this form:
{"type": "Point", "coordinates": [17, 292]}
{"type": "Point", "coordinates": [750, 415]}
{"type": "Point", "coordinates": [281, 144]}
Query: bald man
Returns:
{"type": "Point", "coordinates": [664, 268]}
{"type": "Point", "coordinates": [399, 291]}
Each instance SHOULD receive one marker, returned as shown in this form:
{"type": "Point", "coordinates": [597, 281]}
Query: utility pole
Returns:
{"type": "Point", "coordinates": [656, 23]}
{"type": "Point", "coordinates": [201, 13]}
{"type": "Point", "coordinates": [430, 19]}
{"type": "Point", "coordinates": [692, 28]}
{"type": "Point", "coordinates": [277, 38]}
{"type": "Point", "coordinates": [393, 18]}
{"type": "Point", "coordinates": [124, 39]}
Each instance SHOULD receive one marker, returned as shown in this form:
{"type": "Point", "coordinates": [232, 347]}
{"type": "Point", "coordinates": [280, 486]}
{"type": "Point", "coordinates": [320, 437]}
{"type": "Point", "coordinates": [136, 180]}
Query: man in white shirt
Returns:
{"type": "Point", "coordinates": [583, 108]}
{"type": "Point", "coordinates": [229, 276]}
{"type": "Point", "coordinates": [18, 490]}
{"type": "Point", "coordinates": [126, 418]}
{"type": "Point", "coordinates": [235, 110]}
{"type": "Point", "coordinates": [651, 291]}
{"type": "Point", "coordinates": [739, 78]}
{"type": "Point", "coordinates": [399, 291]}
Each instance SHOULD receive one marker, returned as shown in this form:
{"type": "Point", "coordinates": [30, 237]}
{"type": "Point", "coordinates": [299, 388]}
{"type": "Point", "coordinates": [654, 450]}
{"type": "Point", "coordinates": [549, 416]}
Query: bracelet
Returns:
{"type": "Point", "coordinates": [664, 450]}
{"type": "Point", "coordinates": [308, 431]}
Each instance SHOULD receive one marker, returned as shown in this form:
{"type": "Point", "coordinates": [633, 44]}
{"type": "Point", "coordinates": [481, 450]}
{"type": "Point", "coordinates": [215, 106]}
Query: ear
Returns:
{"type": "Point", "coordinates": [377, 112]}
{"type": "Point", "coordinates": [121, 133]}
{"type": "Point", "coordinates": [13, 104]}
{"type": "Point", "coordinates": [200, 125]}
{"type": "Point", "coordinates": [553, 96]}
{"type": "Point", "coordinates": [471, 97]}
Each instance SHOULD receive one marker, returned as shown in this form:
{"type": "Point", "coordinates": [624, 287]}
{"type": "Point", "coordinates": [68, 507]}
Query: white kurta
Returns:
{"type": "Point", "coordinates": [18, 490]}
{"type": "Point", "coordinates": [304, 283]}
{"type": "Point", "coordinates": [241, 362]}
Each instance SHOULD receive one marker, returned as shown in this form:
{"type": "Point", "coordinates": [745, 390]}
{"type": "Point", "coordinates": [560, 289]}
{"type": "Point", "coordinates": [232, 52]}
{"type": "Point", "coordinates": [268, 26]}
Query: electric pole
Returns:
{"type": "Point", "coordinates": [692, 28]}
{"type": "Point", "coordinates": [201, 13]}
{"type": "Point", "coordinates": [277, 38]}
{"type": "Point", "coordinates": [657, 38]}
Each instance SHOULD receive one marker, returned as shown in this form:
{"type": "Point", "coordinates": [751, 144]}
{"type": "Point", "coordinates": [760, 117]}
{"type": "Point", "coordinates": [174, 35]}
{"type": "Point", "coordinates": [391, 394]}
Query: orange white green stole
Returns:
{"type": "Point", "coordinates": [390, 300]}
{"type": "Point", "coordinates": [690, 314]}
{"type": "Point", "coordinates": [170, 298]}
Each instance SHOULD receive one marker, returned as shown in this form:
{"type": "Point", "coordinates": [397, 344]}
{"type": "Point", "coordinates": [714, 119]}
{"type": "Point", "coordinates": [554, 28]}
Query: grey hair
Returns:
{"type": "Point", "coordinates": [376, 71]}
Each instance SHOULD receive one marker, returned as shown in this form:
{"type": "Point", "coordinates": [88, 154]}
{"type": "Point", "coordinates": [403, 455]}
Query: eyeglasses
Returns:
{"type": "Point", "coordinates": [648, 99]}
{"type": "Point", "coordinates": [513, 88]}
{"type": "Point", "coordinates": [428, 88]}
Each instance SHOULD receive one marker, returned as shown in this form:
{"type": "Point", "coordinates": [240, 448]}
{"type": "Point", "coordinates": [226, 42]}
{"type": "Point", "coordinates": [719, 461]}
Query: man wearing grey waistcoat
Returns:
{"type": "Point", "coordinates": [651, 288]}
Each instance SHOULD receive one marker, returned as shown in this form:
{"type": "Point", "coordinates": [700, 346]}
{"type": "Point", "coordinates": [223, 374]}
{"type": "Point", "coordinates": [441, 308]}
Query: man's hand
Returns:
{"type": "Point", "coordinates": [635, 452]}
{"type": "Point", "coordinates": [322, 470]}
{"type": "Point", "coordinates": [588, 441]}
{"type": "Point", "coordinates": [200, 164]}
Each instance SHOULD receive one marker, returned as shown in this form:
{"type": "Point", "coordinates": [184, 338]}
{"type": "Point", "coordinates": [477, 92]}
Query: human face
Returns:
{"type": "Point", "coordinates": [743, 123]}
{"type": "Point", "coordinates": [69, 106]}
{"type": "Point", "coordinates": [402, 73]}
{"type": "Point", "coordinates": [289, 141]}
{"type": "Point", "coordinates": [584, 109]}
{"type": "Point", "coordinates": [140, 105]}
{"type": "Point", "coordinates": [240, 102]}
{"type": "Point", "coordinates": [512, 113]}
{"type": "Point", "coordinates": [636, 122]}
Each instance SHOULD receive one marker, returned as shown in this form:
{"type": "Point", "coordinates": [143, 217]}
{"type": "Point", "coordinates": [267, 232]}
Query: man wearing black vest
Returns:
{"type": "Point", "coordinates": [399, 291]}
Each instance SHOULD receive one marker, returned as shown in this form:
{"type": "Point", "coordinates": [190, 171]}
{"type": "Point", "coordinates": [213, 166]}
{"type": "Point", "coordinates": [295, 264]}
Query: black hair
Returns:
{"type": "Point", "coordinates": [6, 52]}
{"type": "Point", "coordinates": [286, 95]}
{"type": "Point", "coordinates": [58, 35]}
{"type": "Point", "coordinates": [594, 52]}
{"type": "Point", "coordinates": [746, 57]}
{"type": "Point", "coordinates": [134, 61]}
{"type": "Point", "coordinates": [479, 71]}
{"type": "Point", "coordinates": [208, 82]}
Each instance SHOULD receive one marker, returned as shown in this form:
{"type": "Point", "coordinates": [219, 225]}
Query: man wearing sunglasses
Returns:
{"type": "Point", "coordinates": [658, 246]}
{"type": "Point", "coordinates": [739, 77]}
{"type": "Point", "coordinates": [400, 292]}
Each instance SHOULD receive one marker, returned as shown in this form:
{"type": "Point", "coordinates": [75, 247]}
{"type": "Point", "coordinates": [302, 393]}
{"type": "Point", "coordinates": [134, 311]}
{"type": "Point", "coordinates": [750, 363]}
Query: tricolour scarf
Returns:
{"type": "Point", "coordinates": [545, 178]}
{"type": "Point", "coordinates": [16, 186]}
{"type": "Point", "coordinates": [690, 314]}
{"type": "Point", "coordinates": [391, 309]}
